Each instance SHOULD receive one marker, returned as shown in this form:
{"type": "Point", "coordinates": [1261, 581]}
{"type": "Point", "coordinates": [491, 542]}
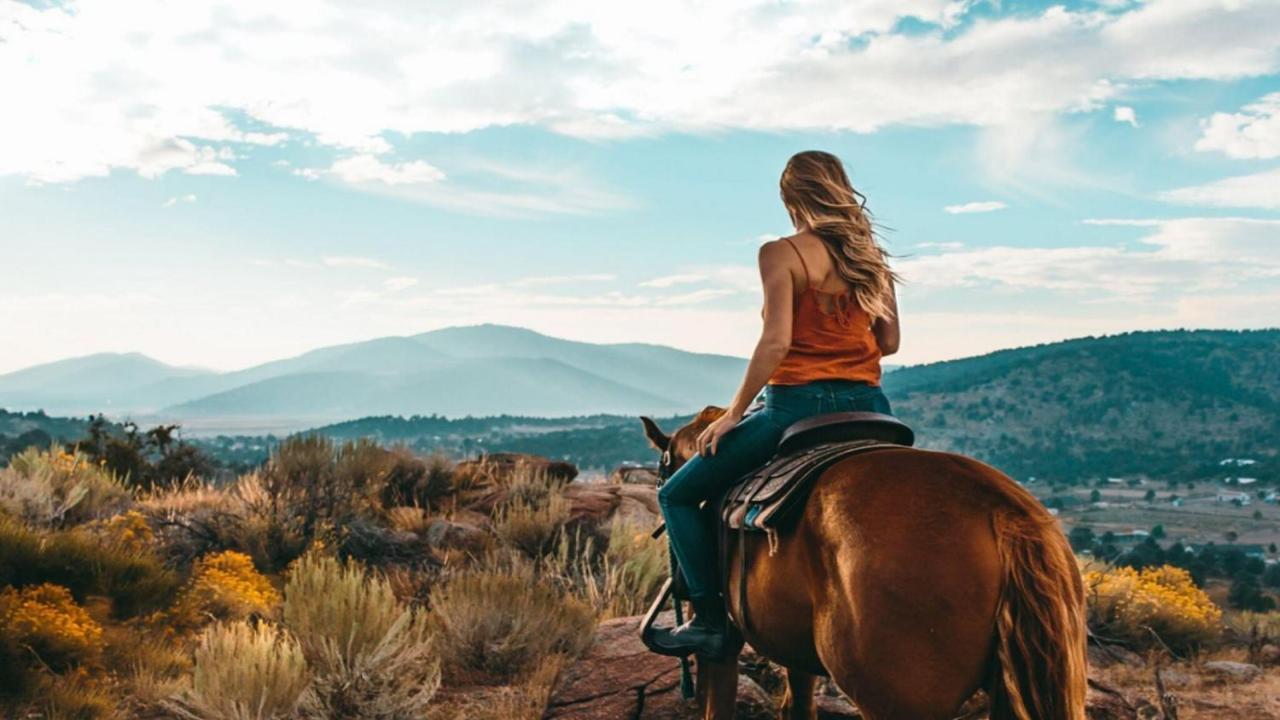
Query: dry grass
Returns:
{"type": "Point", "coordinates": [370, 653]}
{"type": "Point", "coordinates": [53, 488]}
{"type": "Point", "coordinates": [243, 672]}
{"type": "Point", "coordinates": [524, 699]}
{"type": "Point", "coordinates": [533, 527]}
{"type": "Point", "coordinates": [496, 624]}
{"type": "Point", "coordinates": [1200, 696]}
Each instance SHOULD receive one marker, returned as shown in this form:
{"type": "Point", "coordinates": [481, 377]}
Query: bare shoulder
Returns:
{"type": "Point", "coordinates": [774, 253]}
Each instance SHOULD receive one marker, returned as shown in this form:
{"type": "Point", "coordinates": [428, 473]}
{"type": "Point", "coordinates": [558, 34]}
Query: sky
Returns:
{"type": "Point", "coordinates": [218, 184]}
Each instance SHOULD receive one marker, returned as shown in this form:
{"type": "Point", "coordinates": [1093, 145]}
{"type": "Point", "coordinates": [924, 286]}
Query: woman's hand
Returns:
{"type": "Point", "coordinates": [709, 439]}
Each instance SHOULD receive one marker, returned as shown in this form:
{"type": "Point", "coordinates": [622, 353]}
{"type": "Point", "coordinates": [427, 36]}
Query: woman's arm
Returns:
{"type": "Point", "coordinates": [887, 330]}
{"type": "Point", "coordinates": [775, 340]}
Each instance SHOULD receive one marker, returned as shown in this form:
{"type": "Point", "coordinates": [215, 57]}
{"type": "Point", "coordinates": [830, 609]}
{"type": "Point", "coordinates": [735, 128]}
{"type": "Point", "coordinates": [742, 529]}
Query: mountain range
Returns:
{"type": "Point", "coordinates": [473, 370]}
{"type": "Point", "coordinates": [1165, 404]}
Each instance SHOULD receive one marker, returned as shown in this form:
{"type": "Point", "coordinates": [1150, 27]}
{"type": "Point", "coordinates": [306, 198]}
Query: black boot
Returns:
{"type": "Point", "coordinates": [705, 635]}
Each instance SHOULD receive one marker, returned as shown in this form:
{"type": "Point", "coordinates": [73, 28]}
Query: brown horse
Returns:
{"type": "Point", "coordinates": [913, 579]}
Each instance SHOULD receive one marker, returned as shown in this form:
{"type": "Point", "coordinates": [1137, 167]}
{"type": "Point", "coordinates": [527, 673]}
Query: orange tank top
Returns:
{"type": "Point", "coordinates": [828, 346]}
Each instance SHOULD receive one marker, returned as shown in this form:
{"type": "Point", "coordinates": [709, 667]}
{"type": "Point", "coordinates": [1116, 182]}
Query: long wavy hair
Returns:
{"type": "Point", "coordinates": [819, 197]}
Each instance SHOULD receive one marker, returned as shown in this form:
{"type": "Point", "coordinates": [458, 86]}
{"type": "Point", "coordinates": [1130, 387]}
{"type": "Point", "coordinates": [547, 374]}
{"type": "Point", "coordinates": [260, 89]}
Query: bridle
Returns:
{"type": "Point", "coordinates": [665, 464]}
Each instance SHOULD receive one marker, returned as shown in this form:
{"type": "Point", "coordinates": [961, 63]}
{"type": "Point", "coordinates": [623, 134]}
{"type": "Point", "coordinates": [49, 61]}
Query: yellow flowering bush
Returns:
{"type": "Point", "coordinates": [129, 531]}
{"type": "Point", "coordinates": [56, 488]}
{"type": "Point", "coordinates": [225, 586]}
{"type": "Point", "coordinates": [46, 620]}
{"type": "Point", "coordinates": [1124, 603]}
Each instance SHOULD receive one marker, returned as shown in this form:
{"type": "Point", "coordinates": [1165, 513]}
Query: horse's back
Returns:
{"type": "Point", "coordinates": [895, 566]}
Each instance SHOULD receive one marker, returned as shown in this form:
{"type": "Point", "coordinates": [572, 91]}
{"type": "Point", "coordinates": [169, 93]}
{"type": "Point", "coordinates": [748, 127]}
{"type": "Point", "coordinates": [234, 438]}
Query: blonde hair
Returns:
{"type": "Point", "coordinates": [819, 197]}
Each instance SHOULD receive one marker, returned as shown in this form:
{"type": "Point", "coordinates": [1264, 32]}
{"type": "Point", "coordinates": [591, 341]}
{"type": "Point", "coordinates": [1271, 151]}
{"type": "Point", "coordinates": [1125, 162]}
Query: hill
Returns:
{"type": "Point", "coordinates": [1146, 403]}
{"type": "Point", "coordinates": [1168, 404]}
{"type": "Point", "coordinates": [482, 369]}
{"type": "Point", "coordinates": [104, 382]}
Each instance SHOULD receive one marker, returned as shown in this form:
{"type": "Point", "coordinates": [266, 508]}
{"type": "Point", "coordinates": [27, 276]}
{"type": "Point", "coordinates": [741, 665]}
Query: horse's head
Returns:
{"type": "Point", "coordinates": [678, 447]}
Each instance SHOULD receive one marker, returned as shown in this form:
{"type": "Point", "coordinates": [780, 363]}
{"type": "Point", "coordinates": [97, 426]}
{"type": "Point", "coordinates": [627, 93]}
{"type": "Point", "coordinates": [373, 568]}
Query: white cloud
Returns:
{"type": "Point", "coordinates": [941, 245]}
{"type": "Point", "coordinates": [369, 169]}
{"type": "Point", "coordinates": [1125, 114]}
{"type": "Point", "coordinates": [696, 297]}
{"type": "Point", "coordinates": [396, 284]}
{"type": "Point", "coordinates": [667, 281]}
{"type": "Point", "coordinates": [1178, 256]}
{"type": "Point", "coordinates": [561, 279]}
{"type": "Point", "coordinates": [349, 261]}
{"type": "Point", "coordinates": [1259, 190]}
{"type": "Point", "coordinates": [976, 207]}
{"type": "Point", "coordinates": [152, 86]}
{"type": "Point", "coordinates": [188, 198]}
{"type": "Point", "coordinates": [1254, 132]}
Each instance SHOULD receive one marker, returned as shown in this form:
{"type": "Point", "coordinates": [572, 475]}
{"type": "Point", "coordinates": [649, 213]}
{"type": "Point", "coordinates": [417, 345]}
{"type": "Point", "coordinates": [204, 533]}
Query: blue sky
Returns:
{"type": "Point", "coordinates": [220, 184]}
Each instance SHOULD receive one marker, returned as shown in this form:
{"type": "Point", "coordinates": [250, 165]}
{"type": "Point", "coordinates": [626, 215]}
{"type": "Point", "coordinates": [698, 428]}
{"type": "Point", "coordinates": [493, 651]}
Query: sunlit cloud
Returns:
{"type": "Point", "coordinates": [1258, 190]}
{"type": "Point", "coordinates": [975, 207]}
{"type": "Point", "coordinates": [1254, 132]}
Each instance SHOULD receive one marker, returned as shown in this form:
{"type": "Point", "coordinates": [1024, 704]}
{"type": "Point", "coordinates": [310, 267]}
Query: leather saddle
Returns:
{"type": "Point", "coordinates": [767, 497]}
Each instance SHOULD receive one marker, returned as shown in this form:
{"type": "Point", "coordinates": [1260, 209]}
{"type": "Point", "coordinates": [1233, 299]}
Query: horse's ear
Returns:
{"type": "Point", "coordinates": [656, 437]}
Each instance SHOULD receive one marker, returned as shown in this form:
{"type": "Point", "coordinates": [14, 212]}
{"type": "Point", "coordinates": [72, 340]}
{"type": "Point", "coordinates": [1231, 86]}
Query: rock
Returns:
{"type": "Point", "coordinates": [1234, 671]}
{"type": "Point", "coordinates": [638, 505]}
{"type": "Point", "coordinates": [449, 535]}
{"type": "Point", "coordinates": [766, 673]}
{"type": "Point", "coordinates": [753, 702]}
{"type": "Point", "coordinates": [591, 501]}
{"type": "Point", "coordinates": [617, 677]}
{"type": "Point", "coordinates": [634, 475]}
{"type": "Point", "coordinates": [1106, 656]}
{"type": "Point", "coordinates": [1269, 655]}
{"type": "Point", "coordinates": [1104, 706]}
{"type": "Point", "coordinates": [1174, 678]}
{"type": "Point", "coordinates": [835, 707]}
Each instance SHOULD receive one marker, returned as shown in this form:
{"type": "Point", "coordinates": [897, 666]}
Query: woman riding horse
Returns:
{"type": "Point", "coordinates": [830, 314]}
{"type": "Point", "coordinates": [912, 578]}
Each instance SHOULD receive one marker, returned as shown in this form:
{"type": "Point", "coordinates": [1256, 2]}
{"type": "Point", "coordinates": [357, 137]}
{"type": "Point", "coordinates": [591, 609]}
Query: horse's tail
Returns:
{"type": "Point", "coordinates": [1039, 669]}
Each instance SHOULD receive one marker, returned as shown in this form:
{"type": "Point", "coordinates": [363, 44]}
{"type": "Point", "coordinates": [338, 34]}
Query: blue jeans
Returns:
{"type": "Point", "coordinates": [752, 442]}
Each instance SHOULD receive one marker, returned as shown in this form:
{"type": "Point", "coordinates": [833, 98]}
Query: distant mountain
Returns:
{"type": "Point", "coordinates": [104, 382]}
{"type": "Point", "coordinates": [1169, 405]}
{"type": "Point", "coordinates": [482, 369]}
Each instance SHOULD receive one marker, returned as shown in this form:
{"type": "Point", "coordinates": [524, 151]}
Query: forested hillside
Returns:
{"type": "Point", "coordinates": [1157, 403]}
{"type": "Point", "coordinates": [1163, 404]}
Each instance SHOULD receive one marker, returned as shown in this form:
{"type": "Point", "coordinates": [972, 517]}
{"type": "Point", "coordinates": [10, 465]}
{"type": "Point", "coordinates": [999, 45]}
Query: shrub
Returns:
{"type": "Point", "coordinates": [1124, 603]}
{"type": "Point", "coordinates": [370, 653]}
{"type": "Point", "coordinates": [134, 579]}
{"type": "Point", "coordinates": [129, 531]}
{"type": "Point", "coordinates": [225, 586]}
{"type": "Point", "coordinates": [623, 579]}
{"type": "Point", "coordinates": [45, 623]}
{"type": "Point", "coordinates": [75, 696]}
{"type": "Point", "coordinates": [499, 623]}
{"type": "Point", "coordinates": [532, 528]}
{"type": "Point", "coordinates": [411, 480]}
{"type": "Point", "coordinates": [54, 488]}
{"type": "Point", "coordinates": [244, 672]}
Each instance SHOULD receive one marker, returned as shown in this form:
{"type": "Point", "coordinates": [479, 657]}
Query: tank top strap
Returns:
{"type": "Point", "coordinates": [808, 281]}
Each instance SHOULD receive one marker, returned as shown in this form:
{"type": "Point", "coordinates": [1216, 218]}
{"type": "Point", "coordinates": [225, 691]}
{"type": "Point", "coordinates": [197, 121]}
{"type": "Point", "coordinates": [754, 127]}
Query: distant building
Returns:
{"type": "Point", "coordinates": [1115, 481]}
{"type": "Point", "coordinates": [1237, 462]}
{"type": "Point", "coordinates": [1246, 481]}
{"type": "Point", "coordinates": [1226, 496]}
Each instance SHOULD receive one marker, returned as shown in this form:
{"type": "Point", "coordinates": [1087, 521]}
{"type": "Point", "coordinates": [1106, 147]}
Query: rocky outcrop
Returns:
{"type": "Point", "coordinates": [634, 475]}
{"type": "Point", "coordinates": [617, 677]}
{"type": "Point", "coordinates": [1233, 671]}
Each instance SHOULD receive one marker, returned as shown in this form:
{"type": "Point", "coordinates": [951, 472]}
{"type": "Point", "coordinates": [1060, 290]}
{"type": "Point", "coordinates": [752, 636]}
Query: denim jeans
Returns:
{"type": "Point", "coordinates": [752, 442]}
